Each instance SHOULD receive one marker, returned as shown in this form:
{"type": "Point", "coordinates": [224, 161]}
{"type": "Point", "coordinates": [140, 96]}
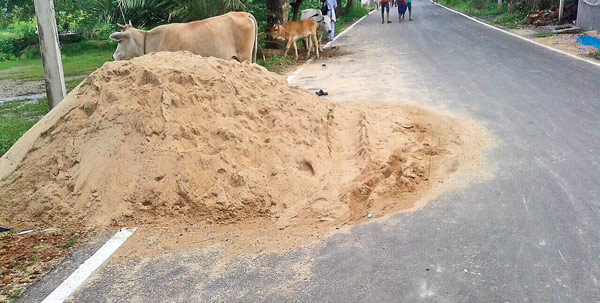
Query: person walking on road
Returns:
{"type": "Point", "coordinates": [385, 6]}
{"type": "Point", "coordinates": [401, 10]}
{"type": "Point", "coordinates": [331, 6]}
{"type": "Point", "coordinates": [408, 4]}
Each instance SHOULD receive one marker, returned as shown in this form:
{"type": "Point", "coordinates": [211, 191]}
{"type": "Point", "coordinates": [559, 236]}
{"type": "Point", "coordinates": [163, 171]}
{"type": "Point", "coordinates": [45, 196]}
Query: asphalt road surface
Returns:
{"type": "Point", "coordinates": [529, 234]}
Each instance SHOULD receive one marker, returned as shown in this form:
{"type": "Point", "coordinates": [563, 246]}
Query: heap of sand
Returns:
{"type": "Point", "coordinates": [173, 138]}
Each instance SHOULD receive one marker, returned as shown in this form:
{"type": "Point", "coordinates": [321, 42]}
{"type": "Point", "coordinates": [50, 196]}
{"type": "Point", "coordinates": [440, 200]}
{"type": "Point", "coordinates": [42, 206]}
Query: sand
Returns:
{"type": "Point", "coordinates": [200, 152]}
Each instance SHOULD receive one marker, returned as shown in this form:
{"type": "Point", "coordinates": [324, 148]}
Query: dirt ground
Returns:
{"type": "Point", "coordinates": [568, 43]}
{"type": "Point", "coordinates": [26, 258]}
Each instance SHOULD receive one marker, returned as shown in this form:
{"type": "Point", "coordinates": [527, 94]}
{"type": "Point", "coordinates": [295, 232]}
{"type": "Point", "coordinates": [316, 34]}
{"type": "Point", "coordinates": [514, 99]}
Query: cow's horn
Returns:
{"type": "Point", "coordinates": [130, 23]}
{"type": "Point", "coordinates": [121, 26]}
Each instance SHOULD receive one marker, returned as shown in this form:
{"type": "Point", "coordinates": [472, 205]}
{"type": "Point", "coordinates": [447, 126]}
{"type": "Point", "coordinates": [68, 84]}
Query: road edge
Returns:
{"type": "Point", "coordinates": [517, 36]}
{"type": "Point", "coordinates": [85, 270]}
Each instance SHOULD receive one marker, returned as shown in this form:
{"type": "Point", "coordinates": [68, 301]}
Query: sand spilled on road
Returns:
{"type": "Point", "coordinates": [201, 151]}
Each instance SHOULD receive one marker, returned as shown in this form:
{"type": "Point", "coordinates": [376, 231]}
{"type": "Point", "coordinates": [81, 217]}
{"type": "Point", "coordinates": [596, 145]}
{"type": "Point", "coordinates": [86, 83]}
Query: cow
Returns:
{"type": "Point", "coordinates": [230, 36]}
{"type": "Point", "coordinates": [323, 22]}
{"type": "Point", "coordinates": [294, 31]}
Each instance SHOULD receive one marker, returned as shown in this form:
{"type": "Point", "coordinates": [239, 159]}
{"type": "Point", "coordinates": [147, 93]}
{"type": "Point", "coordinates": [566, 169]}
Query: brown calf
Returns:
{"type": "Point", "coordinates": [296, 30]}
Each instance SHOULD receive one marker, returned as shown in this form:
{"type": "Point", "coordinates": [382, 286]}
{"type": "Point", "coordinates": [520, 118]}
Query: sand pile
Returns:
{"type": "Point", "coordinates": [175, 137]}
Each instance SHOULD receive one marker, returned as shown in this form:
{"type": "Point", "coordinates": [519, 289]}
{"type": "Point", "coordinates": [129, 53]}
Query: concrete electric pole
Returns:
{"type": "Point", "coordinates": [48, 35]}
{"type": "Point", "coordinates": [561, 8]}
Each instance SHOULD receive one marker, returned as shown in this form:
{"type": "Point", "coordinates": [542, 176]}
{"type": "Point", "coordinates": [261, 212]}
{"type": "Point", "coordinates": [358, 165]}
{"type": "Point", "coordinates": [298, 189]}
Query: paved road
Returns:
{"type": "Point", "coordinates": [530, 234]}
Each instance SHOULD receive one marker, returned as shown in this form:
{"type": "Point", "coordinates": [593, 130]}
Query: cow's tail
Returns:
{"type": "Point", "coordinates": [255, 49]}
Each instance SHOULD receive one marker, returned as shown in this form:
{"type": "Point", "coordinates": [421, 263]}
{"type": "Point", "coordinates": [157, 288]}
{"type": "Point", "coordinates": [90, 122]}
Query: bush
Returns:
{"type": "Point", "coordinates": [13, 46]}
{"type": "Point", "coordinates": [356, 12]}
{"type": "Point", "coordinates": [22, 35]}
{"type": "Point", "coordinates": [100, 31]}
{"type": "Point", "coordinates": [24, 29]}
{"type": "Point", "coordinates": [32, 52]}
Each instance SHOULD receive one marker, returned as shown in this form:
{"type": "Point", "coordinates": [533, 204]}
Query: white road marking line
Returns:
{"type": "Point", "coordinates": [326, 46]}
{"type": "Point", "coordinates": [517, 36]}
{"type": "Point", "coordinates": [67, 287]}
{"type": "Point", "coordinates": [298, 71]}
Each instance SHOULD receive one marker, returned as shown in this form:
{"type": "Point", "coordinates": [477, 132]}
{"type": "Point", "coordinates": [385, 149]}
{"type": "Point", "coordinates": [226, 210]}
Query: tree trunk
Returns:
{"type": "Point", "coordinates": [348, 7]}
{"type": "Point", "coordinates": [296, 9]}
{"type": "Point", "coordinates": [338, 9]}
{"type": "Point", "coordinates": [277, 13]}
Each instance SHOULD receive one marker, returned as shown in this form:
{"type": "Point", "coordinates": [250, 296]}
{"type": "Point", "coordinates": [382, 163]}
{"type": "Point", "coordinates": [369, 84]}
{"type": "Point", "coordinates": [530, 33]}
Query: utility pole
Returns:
{"type": "Point", "coordinates": [48, 35]}
{"type": "Point", "coordinates": [561, 7]}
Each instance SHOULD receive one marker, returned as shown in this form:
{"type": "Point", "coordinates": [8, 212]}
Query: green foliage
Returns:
{"type": "Point", "coordinates": [16, 38]}
{"type": "Point", "coordinates": [71, 241]}
{"type": "Point", "coordinates": [355, 12]}
{"type": "Point", "coordinates": [16, 118]}
{"type": "Point", "coordinates": [595, 55]}
{"type": "Point", "coordinates": [516, 16]}
{"type": "Point", "coordinates": [150, 13]}
{"type": "Point", "coordinates": [186, 10]}
{"type": "Point", "coordinates": [512, 19]}
{"type": "Point", "coordinates": [23, 29]}
{"type": "Point", "coordinates": [14, 295]}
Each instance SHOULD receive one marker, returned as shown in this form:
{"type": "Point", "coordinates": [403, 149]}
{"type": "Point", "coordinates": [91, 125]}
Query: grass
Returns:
{"type": "Point", "coordinates": [78, 59]}
{"type": "Point", "coordinates": [345, 20]}
{"type": "Point", "coordinates": [595, 55]}
{"type": "Point", "coordinates": [15, 295]}
{"type": "Point", "coordinates": [488, 10]}
{"type": "Point", "coordinates": [71, 241]}
{"type": "Point", "coordinates": [543, 35]}
{"type": "Point", "coordinates": [275, 63]}
{"type": "Point", "coordinates": [71, 84]}
{"type": "Point", "coordinates": [16, 118]}
{"type": "Point", "coordinates": [7, 34]}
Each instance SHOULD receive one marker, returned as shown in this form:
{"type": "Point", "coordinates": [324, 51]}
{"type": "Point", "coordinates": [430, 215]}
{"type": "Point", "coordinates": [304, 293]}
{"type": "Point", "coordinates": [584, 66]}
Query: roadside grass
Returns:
{"type": "Point", "coordinates": [77, 59]}
{"type": "Point", "coordinates": [71, 241]}
{"type": "Point", "coordinates": [275, 63]}
{"type": "Point", "coordinates": [16, 118]}
{"type": "Point", "coordinates": [355, 13]}
{"type": "Point", "coordinates": [543, 35]}
{"type": "Point", "coordinates": [595, 55]}
{"type": "Point", "coordinates": [509, 17]}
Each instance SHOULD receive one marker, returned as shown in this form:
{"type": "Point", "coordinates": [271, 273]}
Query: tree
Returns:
{"type": "Point", "coordinates": [296, 9]}
{"type": "Point", "coordinates": [348, 6]}
{"type": "Point", "coordinates": [277, 13]}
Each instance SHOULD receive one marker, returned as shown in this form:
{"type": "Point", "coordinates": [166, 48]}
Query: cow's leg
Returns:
{"type": "Point", "coordinates": [314, 37]}
{"type": "Point", "coordinates": [287, 48]}
{"type": "Point", "coordinates": [295, 49]}
{"type": "Point", "coordinates": [320, 37]}
{"type": "Point", "coordinates": [310, 46]}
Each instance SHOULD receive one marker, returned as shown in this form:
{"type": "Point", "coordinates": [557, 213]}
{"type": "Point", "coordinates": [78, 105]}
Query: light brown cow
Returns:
{"type": "Point", "coordinates": [296, 30]}
{"type": "Point", "coordinates": [230, 36]}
